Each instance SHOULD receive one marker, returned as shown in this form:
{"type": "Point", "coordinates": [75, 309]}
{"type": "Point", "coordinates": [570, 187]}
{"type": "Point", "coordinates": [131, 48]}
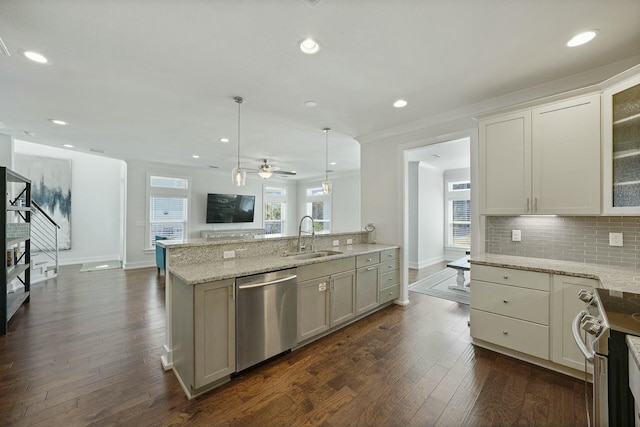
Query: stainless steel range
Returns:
{"type": "Point", "coordinates": [599, 331]}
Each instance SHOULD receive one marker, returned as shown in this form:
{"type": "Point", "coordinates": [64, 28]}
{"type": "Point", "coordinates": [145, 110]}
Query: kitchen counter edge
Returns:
{"type": "Point", "coordinates": [615, 278]}
{"type": "Point", "coordinates": [194, 274]}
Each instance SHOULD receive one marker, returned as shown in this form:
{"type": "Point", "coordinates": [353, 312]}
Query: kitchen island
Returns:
{"type": "Point", "coordinates": [336, 285]}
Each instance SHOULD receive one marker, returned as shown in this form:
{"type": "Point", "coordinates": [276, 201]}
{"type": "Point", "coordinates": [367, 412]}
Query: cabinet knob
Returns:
{"type": "Point", "coordinates": [368, 259]}
{"type": "Point", "coordinates": [390, 293]}
{"type": "Point", "coordinates": [505, 301]}
{"type": "Point", "coordinates": [505, 333]}
{"type": "Point", "coordinates": [505, 277]}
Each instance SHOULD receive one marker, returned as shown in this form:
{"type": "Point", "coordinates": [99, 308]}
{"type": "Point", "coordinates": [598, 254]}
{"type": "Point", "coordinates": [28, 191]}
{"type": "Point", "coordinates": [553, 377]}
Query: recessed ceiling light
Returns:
{"type": "Point", "coordinates": [67, 145]}
{"type": "Point", "coordinates": [35, 56]}
{"type": "Point", "coordinates": [58, 122]}
{"type": "Point", "coordinates": [309, 46]}
{"type": "Point", "coordinates": [224, 140]}
{"type": "Point", "coordinates": [310, 104]}
{"type": "Point", "coordinates": [582, 38]}
{"type": "Point", "coordinates": [195, 156]}
{"type": "Point", "coordinates": [400, 103]}
{"type": "Point", "coordinates": [333, 163]}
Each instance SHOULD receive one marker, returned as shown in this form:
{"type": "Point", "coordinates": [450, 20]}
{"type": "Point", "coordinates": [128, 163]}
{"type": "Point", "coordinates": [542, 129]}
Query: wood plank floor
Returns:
{"type": "Point", "coordinates": [86, 351]}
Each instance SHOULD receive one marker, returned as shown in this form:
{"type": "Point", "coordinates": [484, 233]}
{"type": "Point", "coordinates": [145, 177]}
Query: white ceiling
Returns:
{"type": "Point", "coordinates": [155, 80]}
{"type": "Point", "coordinates": [443, 156]}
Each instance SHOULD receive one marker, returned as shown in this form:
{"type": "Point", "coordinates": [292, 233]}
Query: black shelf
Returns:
{"type": "Point", "coordinates": [21, 203]}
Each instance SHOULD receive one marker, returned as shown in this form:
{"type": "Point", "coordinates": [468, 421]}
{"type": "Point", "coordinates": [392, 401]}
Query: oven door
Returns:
{"type": "Point", "coordinates": [600, 369]}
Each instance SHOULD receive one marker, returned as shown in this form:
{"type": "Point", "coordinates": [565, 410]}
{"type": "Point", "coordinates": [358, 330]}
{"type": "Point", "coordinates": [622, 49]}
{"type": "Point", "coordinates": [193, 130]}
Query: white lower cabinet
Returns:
{"type": "Point", "coordinates": [343, 297]}
{"type": "Point", "coordinates": [510, 308]}
{"type": "Point", "coordinates": [366, 288]}
{"type": "Point", "coordinates": [313, 307]}
{"type": "Point", "coordinates": [565, 305]}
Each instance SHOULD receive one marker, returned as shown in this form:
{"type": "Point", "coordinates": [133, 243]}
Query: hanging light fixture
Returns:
{"type": "Point", "coordinates": [326, 184]}
{"type": "Point", "coordinates": [238, 175]}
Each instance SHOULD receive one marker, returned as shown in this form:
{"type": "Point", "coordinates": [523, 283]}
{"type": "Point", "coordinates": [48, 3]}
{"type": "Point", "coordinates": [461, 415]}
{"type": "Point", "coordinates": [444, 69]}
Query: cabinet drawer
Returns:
{"type": "Point", "coordinates": [521, 303]}
{"type": "Point", "coordinates": [510, 276]}
{"type": "Point", "coordinates": [388, 265]}
{"type": "Point", "coordinates": [526, 337]}
{"type": "Point", "coordinates": [368, 259]}
{"type": "Point", "coordinates": [388, 294]}
{"type": "Point", "coordinates": [388, 254]}
{"type": "Point", "coordinates": [388, 279]}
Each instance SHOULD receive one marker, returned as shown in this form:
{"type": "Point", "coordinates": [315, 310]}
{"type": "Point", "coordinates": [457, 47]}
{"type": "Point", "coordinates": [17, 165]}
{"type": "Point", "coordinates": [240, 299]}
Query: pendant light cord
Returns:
{"type": "Point", "coordinates": [239, 100]}
{"type": "Point", "coordinates": [326, 154]}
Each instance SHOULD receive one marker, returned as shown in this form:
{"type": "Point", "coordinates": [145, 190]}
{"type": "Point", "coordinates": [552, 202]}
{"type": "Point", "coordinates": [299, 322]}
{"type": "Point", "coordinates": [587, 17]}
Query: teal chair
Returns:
{"type": "Point", "coordinates": [160, 254]}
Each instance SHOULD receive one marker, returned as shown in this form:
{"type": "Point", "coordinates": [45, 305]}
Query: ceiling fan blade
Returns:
{"type": "Point", "coordinates": [284, 172]}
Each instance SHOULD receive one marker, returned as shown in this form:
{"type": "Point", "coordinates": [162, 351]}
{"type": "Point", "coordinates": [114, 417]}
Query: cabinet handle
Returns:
{"type": "Point", "coordinates": [535, 204]}
{"type": "Point", "coordinates": [368, 259]}
{"type": "Point", "coordinates": [370, 268]}
{"type": "Point", "coordinates": [527, 205]}
{"type": "Point", "coordinates": [505, 277]}
{"type": "Point", "coordinates": [233, 292]}
{"type": "Point", "coordinates": [390, 293]}
{"type": "Point", "coordinates": [505, 333]}
{"type": "Point", "coordinates": [505, 301]}
{"type": "Point", "coordinates": [390, 278]}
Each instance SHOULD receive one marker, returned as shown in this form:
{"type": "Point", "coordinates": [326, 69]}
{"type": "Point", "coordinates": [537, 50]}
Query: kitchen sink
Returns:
{"type": "Point", "coordinates": [312, 255]}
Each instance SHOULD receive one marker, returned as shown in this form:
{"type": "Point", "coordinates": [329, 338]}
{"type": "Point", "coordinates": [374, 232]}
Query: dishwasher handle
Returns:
{"type": "Point", "coordinates": [272, 282]}
{"type": "Point", "coordinates": [575, 328]}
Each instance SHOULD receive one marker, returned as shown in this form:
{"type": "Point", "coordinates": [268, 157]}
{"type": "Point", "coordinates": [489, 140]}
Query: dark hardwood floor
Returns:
{"type": "Point", "coordinates": [86, 351]}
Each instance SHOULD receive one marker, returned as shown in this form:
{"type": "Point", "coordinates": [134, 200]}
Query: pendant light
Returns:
{"type": "Point", "coordinates": [326, 185]}
{"type": "Point", "coordinates": [238, 174]}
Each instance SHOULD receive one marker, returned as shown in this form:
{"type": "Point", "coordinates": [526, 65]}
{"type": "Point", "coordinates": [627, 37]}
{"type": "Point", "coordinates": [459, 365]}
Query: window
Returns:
{"type": "Point", "coordinates": [319, 208]}
{"type": "Point", "coordinates": [274, 211]}
{"type": "Point", "coordinates": [168, 199]}
{"type": "Point", "coordinates": [458, 206]}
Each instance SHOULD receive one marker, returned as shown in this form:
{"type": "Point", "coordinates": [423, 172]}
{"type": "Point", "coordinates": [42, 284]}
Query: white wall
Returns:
{"type": "Point", "coordinates": [426, 215]}
{"type": "Point", "coordinates": [97, 184]}
{"type": "Point", "coordinates": [345, 202]}
{"type": "Point", "coordinates": [202, 182]}
{"type": "Point", "coordinates": [6, 151]}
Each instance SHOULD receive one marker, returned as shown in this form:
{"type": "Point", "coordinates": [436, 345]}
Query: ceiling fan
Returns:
{"type": "Point", "coordinates": [265, 170]}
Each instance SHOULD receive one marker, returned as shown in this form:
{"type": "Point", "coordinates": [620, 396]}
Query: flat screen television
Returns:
{"type": "Point", "coordinates": [225, 208]}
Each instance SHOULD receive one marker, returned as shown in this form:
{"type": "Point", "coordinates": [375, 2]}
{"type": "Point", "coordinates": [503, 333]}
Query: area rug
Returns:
{"type": "Point", "coordinates": [437, 285]}
{"type": "Point", "coordinates": [100, 265]}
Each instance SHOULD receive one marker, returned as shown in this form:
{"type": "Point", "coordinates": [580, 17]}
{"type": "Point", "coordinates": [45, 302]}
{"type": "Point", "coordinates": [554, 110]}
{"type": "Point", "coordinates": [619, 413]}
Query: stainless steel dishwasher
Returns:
{"type": "Point", "coordinates": [266, 316]}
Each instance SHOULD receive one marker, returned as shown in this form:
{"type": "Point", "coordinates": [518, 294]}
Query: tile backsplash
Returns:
{"type": "Point", "coordinates": [569, 238]}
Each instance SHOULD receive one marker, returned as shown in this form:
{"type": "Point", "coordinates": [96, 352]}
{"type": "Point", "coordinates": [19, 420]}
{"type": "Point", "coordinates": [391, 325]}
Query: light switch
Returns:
{"type": "Point", "coordinates": [615, 239]}
{"type": "Point", "coordinates": [516, 236]}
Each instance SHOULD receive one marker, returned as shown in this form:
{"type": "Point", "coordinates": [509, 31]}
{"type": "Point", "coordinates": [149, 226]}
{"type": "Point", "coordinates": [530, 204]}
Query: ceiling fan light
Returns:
{"type": "Point", "coordinates": [238, 176]}
{"type": "Point", "coordinates": [265, 173]}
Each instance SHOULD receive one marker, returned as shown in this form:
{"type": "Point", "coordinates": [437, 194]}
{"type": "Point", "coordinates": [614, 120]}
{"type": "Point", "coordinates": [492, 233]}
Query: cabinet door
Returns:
{"type": "Point", "coordinates": [565, 305]}
{"type": "Point", "coordinates": [214, 331]}
{"type": "Point", "coordinates": [343, 297]}
{"type": "Point", "coordinates": [313, 307]}
{"type": "Point", "coordinates": [505, 164]}
{"type": "Point", "coordinates": [621, 152]}
{"type": "Point", "coordinates": [366, 289]}
{"type": "Point", "coordinates": [566, 157]}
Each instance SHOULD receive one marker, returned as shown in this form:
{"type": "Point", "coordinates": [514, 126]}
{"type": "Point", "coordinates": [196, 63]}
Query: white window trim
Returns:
{"type": "Point", "coordinates": [267, 198]}
{"type": "Point", "coordinates": [454, 176]}
{"type": "Point", "coordinates": [161, 191]}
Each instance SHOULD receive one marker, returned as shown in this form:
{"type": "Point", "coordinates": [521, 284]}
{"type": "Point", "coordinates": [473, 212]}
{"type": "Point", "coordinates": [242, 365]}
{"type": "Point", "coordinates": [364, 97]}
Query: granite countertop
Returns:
{"type": "Point", "coordinates": [194, 274]}
{"type": "Point", "coordinates": [633, 343]}
{"type": "Point", "coordinates": [616, 278]}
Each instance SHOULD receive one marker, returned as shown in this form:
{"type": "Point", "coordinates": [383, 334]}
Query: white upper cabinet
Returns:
{"type": "Point", "coordinates": [542, 161]}
{"type": "Point", "coordinates": [621, 142]}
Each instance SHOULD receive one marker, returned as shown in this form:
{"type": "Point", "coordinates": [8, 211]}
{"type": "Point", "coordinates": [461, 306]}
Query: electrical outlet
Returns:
{"type": "Point", "coordinates": [615, 239]}
{"type": "Point", "coordinates": [336, 242]}
{"type": "Point", "coordinates": [229, 254]}
{"type": "Point", "coordinates": [516, 236]}
{"type": "Point", "coordinates": [349, 241]}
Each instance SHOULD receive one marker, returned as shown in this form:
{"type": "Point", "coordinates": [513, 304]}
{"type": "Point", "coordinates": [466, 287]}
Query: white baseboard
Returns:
{"type": "Point", "coordinates": [74, 261]}
{"type": "Point", "coordinates": [140, 264]}
{"type": "Point", "coordinates": [426, 263]}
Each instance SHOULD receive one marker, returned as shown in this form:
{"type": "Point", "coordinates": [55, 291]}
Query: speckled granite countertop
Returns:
{"type": "Point", "coordinates": [619, 279]}
{"type": "Point", "coordinates": [633, 343]}
{"type": "Point", "coordinates": [194, 274]}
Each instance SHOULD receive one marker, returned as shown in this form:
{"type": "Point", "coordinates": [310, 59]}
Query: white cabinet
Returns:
{"type": "Point", "coordinates": [203, 333]}
{"type": "Point", "coordinates": [510, 308]}
{"type": "Point", "coordinates": [366, 289]}
{"type": "Point", "coordinates": [565, 305]}
{"type": "Point", "coordinates": [621, 148]}
{"type": "Point", "coordinates": [313, 307]}
{"type": "Point", "coordinates": [542, 161]}
{"type": "Point", "coordinates": [343, 297]}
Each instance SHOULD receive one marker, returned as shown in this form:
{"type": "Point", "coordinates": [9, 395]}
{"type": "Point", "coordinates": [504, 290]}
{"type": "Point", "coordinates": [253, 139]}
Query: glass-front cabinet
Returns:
{"type": "Point", "coordinates": [621, 142]}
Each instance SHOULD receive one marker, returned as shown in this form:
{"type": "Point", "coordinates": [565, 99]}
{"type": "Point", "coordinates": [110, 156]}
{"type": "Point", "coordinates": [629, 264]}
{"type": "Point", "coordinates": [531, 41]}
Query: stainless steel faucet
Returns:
{"type": "Point", "coordinates": [313, 233]}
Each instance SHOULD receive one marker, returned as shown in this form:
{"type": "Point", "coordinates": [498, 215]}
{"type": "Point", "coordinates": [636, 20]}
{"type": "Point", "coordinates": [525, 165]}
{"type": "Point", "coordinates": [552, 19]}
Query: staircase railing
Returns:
{"type": "Point", "coordinates": [44, 235]}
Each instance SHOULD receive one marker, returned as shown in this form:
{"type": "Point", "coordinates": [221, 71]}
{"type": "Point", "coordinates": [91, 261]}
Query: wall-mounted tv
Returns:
{"type": "Point", "coordinates": [223, 208]}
